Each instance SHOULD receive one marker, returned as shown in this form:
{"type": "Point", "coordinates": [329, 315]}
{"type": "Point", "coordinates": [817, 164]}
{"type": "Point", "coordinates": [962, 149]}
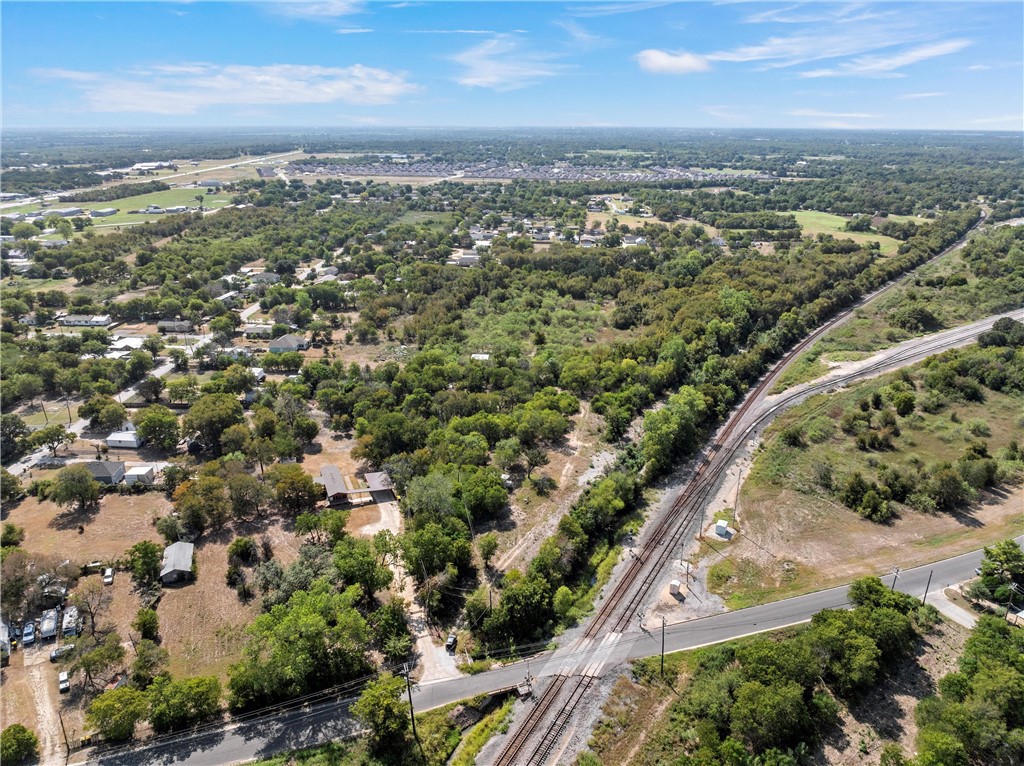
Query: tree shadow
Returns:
{"type": "Point", "coordinates": [75, 518]}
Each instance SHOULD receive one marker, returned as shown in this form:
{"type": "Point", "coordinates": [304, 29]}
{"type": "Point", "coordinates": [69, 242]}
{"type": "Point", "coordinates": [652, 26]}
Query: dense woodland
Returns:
{"type": "Point", "coordinates": [685, 323]}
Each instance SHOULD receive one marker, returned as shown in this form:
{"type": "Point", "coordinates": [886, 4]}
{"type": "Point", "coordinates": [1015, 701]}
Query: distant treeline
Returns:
{"type": "Point", "coordinates": [116, 192]}
{"type": "Point", "coordinates": [35, 180]}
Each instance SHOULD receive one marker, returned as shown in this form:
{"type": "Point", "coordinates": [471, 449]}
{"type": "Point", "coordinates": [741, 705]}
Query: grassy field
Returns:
{"type": "Point", "coordinates": [870, 330]}
{"type": "Point", "coordinates": [796, 536]}
{"type": "Point", "coordinates": [169, 198]}
{"type": "Point", "coordinates": [813, 222]}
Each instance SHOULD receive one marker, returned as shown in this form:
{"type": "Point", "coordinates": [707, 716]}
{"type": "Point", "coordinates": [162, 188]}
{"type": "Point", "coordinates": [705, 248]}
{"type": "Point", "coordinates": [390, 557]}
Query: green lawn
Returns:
{"type": "Point", "coordinates": [814, 222]}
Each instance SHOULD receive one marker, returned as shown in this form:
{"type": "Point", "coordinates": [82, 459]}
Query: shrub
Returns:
{"type": "Point", "coordinates": [17, 744]}
{"type": "Point", "coordinates": [243, 550]}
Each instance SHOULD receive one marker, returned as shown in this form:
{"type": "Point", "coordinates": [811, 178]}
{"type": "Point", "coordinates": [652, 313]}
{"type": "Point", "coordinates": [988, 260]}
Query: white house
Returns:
{"type": "Point", "coordinates": [144, 474]}
{"type": "Point", "coordinates": [124, 440]}
{"type": "Point", "coordinates": [83, 320]}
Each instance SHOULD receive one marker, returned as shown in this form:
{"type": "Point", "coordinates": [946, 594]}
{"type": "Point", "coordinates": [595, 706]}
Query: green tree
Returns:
{"type": "Point", "coordinates": [150, 388]}
{"type": "Point", "coordinates": [507, 453]}
{"type": "Point", "coordinates": [145, 559]}
{"type": "Point", "coordinates": [12, 536]}
{"type": "Point", "coordinates": [17, 743]}
{"type": "Point", "coordinates": [535, 458]}
{"type": "Point", "coordinates": [183, 390]}
{"type": "Point", "coordinates": [147, 623]}
{"type": "Point", "coordinates": [158, 425]}
{"type": "Point", "coordinates": [1002, 563]}
{"type": "Point", "coordinates": [52, 437]}
{"type": "Point", "coordinates": [210, 416]}
{"type": "Point", "coordinates": [248, 495]}
{"type": "Point", "coordinates": [381, 709]}
{"type": "Point", "coordinates": [96, 657]}
{"type": "Point", "coordinates": [315, 640]}
{"type": "Point", "coordinates": [487, 544]}
{"type": "Point", "coordinates": [112, 416]}
{"type": "Point", "coordinates": [10, 487]}
{"type": "Point", "coordinates": [294, 489]}
{"type": "Point", "coordinates": [770, 716]}
{"type": "Point", "coordinates": [12, 436]}
{"type": "Point", "coordinates": [358, 564]}
{"type": "Point", "coordinates": [74, 485]}
{"type": "Point", "coordinates": [175, 705]}
{"type": "Point", "coordinates": [238, 379]}
{"type": "Point", "coordinates": [150, 661]}
{"type": "Point", "coordinates": [115, 713]}
{"type": "Point", "coordinates": [203, 503]}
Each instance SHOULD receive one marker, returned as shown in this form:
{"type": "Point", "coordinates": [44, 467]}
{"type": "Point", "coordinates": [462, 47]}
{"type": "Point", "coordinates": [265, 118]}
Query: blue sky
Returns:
{"type": "Point", "coordinates": [347, 63]}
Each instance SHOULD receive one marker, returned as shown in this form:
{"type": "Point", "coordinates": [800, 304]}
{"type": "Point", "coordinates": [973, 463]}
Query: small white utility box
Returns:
{"type": "Point", "coordinates": [722, 528]}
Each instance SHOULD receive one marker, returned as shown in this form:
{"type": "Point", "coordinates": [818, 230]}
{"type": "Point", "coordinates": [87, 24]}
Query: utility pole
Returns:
{"type": "Point", "coordinates": [895, 575]}
{"type": "Point", "coordinates": [663, 646]}
{"type": "Point", "coordinates": [924, 599]}
{"type": "Point", "coordinates": [412, 712]}
{"type": "Point", "coordinates": [67, 744]}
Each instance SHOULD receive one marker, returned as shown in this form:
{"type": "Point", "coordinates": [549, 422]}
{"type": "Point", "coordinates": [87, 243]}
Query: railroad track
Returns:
{"type": "Point", "coordinates": [633, 586]}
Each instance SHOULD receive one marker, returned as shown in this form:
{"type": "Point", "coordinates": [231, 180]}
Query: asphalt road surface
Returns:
{"type": "Point", "coordinates": [305, 727]}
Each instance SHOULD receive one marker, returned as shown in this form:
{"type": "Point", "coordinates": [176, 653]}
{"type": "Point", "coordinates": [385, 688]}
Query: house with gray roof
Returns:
{"type": "Point", "coordinates": [177, 564]}
{"type": "Point", "coordinates": [105, 471]}
{"type": "Point", "coordinates": [288, 343]}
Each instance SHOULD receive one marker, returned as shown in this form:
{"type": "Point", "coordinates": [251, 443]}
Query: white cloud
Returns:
{"type": "Point", "coordinates": [319, 9]}
{"type": "Point", "coordinates": [885, 65]}
{"type": "Point", "coordinates": [352, 31]}
{"type": "Point", "coordinates": [979, 67]}
{"type": "Point", "coordinates": [188, 88]}
{"type": "Point", "coordinates": [613, 9]}
{"type": "Point", "coordinates": [581, 37]}
{"type": "Point", "coordinates": [66, 74]}
{"type": "Point", "coordinates": [503, 64]}
{"type": "Point", "coordinates": [915, 96]}
{"type": "Point", "coordinates": [792, 50]}
{"type": "Point", "coordinates": [665, 62]}
{"type": "Point", "coordinates": [799, 14]}
{"type": "Point", "coordinates": [452, 32]}
{"type": "Point", "coordinates": [832, 115]}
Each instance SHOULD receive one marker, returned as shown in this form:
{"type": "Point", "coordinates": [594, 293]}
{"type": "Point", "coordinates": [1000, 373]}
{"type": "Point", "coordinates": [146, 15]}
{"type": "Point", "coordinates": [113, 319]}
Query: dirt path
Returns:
{"type": "Point", "coordinates": [42, 680]}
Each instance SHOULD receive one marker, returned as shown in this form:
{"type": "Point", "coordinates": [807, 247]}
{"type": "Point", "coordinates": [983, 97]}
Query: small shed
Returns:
{"type": "Point", "coordinates": [177, 564]}
{"type": "Point", "coordinates": [722, 528]}
{"type": "Point", "coordinates": [144, 474]}
{"type": "Point", "coordinates": [124, 440]}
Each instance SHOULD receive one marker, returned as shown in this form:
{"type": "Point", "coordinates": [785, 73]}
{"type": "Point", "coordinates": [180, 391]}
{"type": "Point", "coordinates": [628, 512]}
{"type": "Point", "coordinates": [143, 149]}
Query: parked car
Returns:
{"type": "Point", "coordinates": [108, 576]}
{"type": "Point", "coordinates": [60, 651]}
{"type": "Point", "coordinates": [449, 645]}
{"type": "Point", "coordinates": [28, 633]}
{"type": "Point", "coordinates": [63, 682]}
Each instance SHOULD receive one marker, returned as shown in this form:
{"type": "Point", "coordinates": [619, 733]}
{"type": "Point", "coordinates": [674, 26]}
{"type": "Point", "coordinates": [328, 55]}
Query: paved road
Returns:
{"type": "Point", "coordinates": [321, 723]}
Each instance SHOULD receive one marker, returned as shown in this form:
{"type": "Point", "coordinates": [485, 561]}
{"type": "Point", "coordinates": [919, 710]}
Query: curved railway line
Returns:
{"type": "Point", "coordinates": [554, 709]}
